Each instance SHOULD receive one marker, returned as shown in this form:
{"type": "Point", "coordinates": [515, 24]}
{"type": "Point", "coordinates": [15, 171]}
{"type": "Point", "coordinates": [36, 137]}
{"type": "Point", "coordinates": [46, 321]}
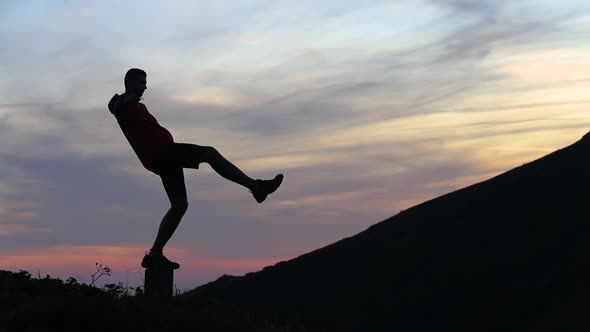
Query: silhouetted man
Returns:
{"type": "Point", "coordinates": [158, 153]}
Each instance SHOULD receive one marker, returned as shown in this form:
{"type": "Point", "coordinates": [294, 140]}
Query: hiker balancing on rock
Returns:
{"type": "Point", "coordinates": [159, 154]}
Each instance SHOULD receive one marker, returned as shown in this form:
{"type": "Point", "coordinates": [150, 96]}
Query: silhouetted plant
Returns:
{"type": "Point", "coordinates": [100, 271]}
{"type": "Point", "coordinates": [24, 274]}
{"type": "Point", "coordinates": [139, 292]}
{"type": "Point", "coordinates": [116, 290]}
{"type": "Point", "coordinates": [52, 304]}
{"type": "Point", "coordinates": [176, 291]}
{"type": "Point", "coordinates": [71, 281]}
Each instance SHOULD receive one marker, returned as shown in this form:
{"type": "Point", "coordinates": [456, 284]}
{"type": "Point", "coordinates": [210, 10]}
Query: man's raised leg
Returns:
{"type": "Point", "coordinates": [260, 189]}
{"type": "Point", "coordinates": [225, 168]}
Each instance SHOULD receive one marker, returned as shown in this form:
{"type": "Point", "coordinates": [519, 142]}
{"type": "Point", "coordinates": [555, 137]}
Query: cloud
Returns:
{"type": "Point", "coordinates": [7, 230]}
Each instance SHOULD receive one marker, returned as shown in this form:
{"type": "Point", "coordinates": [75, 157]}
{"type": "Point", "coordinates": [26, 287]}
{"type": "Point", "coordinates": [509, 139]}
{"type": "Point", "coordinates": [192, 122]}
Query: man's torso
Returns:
{"type": "Point", "coordinates": [145, 135]}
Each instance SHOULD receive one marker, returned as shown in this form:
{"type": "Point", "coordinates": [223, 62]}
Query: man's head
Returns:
{"type": "Point", "coordinates": [136, 81]}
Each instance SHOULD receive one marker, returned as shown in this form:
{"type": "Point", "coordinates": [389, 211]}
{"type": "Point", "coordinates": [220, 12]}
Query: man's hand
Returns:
{"type": "Point", "coordinates": [124, 105]}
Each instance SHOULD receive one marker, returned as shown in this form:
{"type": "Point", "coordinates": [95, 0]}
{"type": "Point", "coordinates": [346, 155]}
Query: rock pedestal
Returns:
{"type": "Point", "coordinates": [159, 282]}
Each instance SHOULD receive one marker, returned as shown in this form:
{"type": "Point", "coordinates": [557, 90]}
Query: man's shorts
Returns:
{"type": "Point", "coordinates": [169, 166]}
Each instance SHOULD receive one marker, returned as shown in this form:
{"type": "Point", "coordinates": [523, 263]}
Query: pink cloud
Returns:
{"type": "Point", "coordinates": [19, 210]}
{"type": "Point", "coordinates": [17, 229]}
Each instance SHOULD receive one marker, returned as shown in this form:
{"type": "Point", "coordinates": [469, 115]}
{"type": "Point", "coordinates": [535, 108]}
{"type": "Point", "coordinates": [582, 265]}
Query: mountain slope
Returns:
{"type": "Point", "coordinates": [506, 253]}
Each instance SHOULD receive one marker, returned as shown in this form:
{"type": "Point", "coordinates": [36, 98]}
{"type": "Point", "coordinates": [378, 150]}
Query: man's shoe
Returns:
{"type": "Point", "coordinates": [263, 188]}
{"type": "Point", "coordinates": [158, 261]}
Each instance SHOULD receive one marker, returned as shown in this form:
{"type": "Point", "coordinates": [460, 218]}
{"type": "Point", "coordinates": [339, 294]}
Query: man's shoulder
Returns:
{"type": "Point", "coordinates": [141, 106]}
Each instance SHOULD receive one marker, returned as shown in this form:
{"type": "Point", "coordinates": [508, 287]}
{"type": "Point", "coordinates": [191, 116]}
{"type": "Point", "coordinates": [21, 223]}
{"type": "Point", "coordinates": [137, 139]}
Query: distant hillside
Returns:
{"type": "Point", "coordinates": [507, 254]}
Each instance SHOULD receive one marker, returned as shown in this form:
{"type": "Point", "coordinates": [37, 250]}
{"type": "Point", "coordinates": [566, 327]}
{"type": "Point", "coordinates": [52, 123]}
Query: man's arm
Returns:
{"type": "Point", "coordinates": [124, 105]}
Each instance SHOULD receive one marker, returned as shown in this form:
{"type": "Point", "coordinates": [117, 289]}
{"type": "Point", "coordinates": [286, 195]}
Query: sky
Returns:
{"type": "Point", "coordinates": [367, 107]}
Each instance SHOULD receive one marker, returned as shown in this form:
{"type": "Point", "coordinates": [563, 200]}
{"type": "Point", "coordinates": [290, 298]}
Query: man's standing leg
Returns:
{"type": "Point", "coordinates": [173, 181]}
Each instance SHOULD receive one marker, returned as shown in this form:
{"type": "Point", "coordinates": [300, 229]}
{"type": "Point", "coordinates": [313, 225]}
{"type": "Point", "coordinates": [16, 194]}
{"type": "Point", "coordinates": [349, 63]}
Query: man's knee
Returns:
{"type": "Point", "coordinates": [179, 204]}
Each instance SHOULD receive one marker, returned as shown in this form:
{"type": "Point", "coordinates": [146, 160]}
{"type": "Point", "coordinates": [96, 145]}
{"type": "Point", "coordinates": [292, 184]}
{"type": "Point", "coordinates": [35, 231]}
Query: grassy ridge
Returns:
{"type": "Point", "coordinates": [51, 304]}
